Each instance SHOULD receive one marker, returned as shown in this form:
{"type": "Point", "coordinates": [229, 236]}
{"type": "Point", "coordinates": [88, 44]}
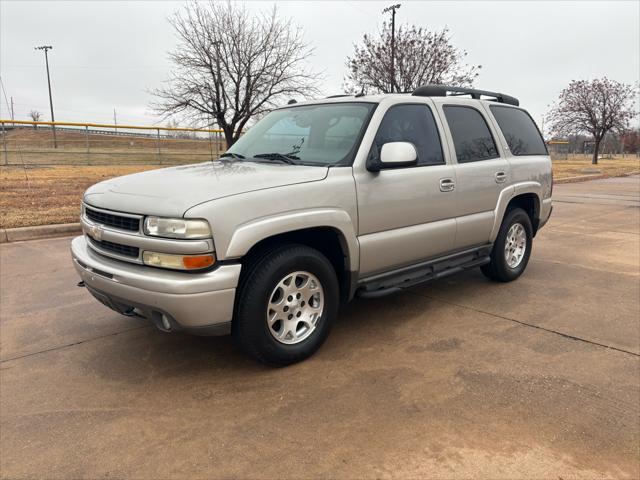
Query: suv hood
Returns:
{"type": "Point", "coordinates": [172, 191]}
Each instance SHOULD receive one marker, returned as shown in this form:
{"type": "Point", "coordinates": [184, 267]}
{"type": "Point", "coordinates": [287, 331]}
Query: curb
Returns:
{"type": "Point", "coordinates": [580, 178]}
{"type": "Point", "coordinates": [41, 231]}
{"type": "Point", "coordinates": [597, 176]}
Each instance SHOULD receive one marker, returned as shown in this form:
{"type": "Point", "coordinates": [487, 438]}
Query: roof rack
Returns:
{"type": "Point", "coordinates": [446, 90]}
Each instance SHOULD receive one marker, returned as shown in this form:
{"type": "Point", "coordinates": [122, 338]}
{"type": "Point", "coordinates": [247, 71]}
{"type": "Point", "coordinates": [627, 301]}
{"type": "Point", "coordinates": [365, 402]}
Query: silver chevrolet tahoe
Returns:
{"type": "Point", "coordinates": [317, 203]}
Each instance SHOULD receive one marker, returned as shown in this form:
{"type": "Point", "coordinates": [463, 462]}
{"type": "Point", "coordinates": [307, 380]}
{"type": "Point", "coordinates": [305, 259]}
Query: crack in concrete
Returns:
{"type": "Point", "coordinates": [597, 203]}
{"type": "Point", "coordinates": [60, 347]}
{"type": "Point", "coordinates": [538, 327]}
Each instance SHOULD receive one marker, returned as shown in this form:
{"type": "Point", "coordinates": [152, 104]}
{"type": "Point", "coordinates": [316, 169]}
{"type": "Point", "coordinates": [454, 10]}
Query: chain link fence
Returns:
{"type": "Point", "coordinates": [34, 143]}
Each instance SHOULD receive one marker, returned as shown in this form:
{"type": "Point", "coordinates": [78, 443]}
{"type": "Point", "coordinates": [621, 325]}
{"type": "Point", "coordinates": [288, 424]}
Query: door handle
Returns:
{"type": "Point", "coordinates": [447, 185]}
{"type": "Point", "coordinates": [501, 177]}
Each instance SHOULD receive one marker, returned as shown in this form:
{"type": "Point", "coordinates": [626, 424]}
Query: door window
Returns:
{"type": "Point", "coordinates": [414, 124]}
{"type": "Point", "coordinates": [471, 136]}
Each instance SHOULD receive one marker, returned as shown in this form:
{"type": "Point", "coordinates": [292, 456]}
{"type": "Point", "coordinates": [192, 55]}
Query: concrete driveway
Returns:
{"type": "Point", "coordinates": [459, 378]}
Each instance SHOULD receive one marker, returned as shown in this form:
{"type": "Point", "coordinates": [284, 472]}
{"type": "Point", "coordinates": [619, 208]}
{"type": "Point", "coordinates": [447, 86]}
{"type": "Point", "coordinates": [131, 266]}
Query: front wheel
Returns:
{"type": "Point", "coordinates": [286, 305]}
{"type": "Point", "coordinates": [512, 248]}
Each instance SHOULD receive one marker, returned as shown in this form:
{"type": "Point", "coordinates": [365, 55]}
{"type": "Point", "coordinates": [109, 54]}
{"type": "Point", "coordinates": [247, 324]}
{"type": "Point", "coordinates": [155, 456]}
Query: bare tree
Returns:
{"type": "Point", "coordinates": [35, 116]}
{"type": "Point", "coordinates": [173, 124]}
{"type": "Point", "coordinates": [421, 57]}
{"type": "Point", "coordinates": [631, 141]}
{"type": "Point", "coordinates": [230, 67]}
{"type": "Point", "coordinates": [594, 107]}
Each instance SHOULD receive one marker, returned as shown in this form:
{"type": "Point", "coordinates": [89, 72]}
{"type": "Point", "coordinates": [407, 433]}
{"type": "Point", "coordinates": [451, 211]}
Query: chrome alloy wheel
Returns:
{"type": "Point", "coordinates": [515, 245]}
{"type": "Point", "coordinates": [294, 308]}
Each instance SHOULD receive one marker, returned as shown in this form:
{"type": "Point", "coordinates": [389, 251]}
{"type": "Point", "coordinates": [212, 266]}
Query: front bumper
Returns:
{"type": "Point", "coordinates": [200, 303]}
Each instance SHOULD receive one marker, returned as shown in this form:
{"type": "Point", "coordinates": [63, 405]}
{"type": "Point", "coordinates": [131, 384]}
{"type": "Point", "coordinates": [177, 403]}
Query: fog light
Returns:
{"type": "Point", "coordinates": [178, 262]}
{"type": "Point", "coordinates": [165, 322]}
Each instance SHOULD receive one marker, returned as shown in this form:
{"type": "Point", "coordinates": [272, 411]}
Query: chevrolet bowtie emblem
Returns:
{"type": "Point", "coordinates": [96, 232]}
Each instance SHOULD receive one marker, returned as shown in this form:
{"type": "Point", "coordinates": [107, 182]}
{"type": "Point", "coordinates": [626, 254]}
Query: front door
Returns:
{"type": "Point", "coordinates": [406, 214]}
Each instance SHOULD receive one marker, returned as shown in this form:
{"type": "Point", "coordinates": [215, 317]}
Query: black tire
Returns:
{"type": "Point", "coordinates": [262, 274]}
{"type": "Point", "coordinates": [498, 269]}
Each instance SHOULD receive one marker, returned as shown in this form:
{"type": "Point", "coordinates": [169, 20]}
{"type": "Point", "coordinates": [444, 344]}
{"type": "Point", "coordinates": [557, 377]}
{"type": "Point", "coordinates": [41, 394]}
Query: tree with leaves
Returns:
{"type": "Point", "coordinates": [594, 107]}
{"type": "Point", "coordinates": [421, 57]}
{"type": "Point", "coordinates": [230, 67]}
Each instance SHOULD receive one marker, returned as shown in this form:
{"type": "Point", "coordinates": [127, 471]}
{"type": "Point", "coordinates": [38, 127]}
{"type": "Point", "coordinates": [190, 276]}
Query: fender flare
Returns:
{"type": "Point", "coordinates": [249, 234]}
{"type": "Point", "coordinates": [506, 196]}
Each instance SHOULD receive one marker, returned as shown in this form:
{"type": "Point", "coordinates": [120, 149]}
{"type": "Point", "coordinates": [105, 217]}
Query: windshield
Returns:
{"type": "Point", "coordinates": [325, 134]}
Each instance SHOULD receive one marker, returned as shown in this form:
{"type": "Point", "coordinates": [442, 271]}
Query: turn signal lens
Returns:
{"type": "Point", "coordinates": [199, 261]}
{"type": "Point", "coordinates": [178, 262]}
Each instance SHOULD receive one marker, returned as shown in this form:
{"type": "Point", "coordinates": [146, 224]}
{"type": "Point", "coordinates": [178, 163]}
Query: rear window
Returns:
{"type": "Point", "coordinates": [519, 131]}
{"type": "Point", "coordinates": [471, 136]}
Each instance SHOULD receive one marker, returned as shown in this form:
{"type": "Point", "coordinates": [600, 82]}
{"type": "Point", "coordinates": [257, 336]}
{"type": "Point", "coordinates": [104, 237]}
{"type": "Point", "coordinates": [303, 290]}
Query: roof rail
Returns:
{"type": "Point", "coordinates": [433, 90]}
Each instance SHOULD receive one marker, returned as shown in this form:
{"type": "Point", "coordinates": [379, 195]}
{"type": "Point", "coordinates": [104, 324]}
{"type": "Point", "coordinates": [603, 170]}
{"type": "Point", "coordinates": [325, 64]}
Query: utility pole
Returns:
{"type": "Point", "coordinates": [115, 119]}
{"type": "Point", "coordinates": [393, 9]}
{"type": "Point", "coordinates": [12, 114]}
{"type": "Point", "coordinates": [46, 49]}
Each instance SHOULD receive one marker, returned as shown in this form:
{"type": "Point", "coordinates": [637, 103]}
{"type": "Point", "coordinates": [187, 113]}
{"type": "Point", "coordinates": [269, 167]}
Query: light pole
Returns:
{"type": "Point", "coordinates": [393, 9]}
{"type": "Point", "coordinates": [46, 49]}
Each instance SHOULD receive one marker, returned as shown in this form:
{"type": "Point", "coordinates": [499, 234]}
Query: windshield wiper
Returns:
{"type": "Point", "coordinates": [232, 155]}
{"type": "Point", "coordinates": [281, 157]}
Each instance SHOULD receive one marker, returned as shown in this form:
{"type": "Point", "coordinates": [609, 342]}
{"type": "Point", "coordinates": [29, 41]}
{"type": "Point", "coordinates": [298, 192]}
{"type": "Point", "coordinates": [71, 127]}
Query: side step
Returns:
{"type": "Point", "coordinates": [395, 280]}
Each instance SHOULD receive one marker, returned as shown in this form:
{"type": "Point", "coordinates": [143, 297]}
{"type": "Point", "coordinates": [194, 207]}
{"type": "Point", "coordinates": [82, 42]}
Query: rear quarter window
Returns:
{"type": "Point", "coordinates": [519, 130]}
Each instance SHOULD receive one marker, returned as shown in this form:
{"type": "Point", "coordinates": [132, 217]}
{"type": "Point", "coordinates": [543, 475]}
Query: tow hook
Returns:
{"type": "Point", "coordinates": [80, 284]}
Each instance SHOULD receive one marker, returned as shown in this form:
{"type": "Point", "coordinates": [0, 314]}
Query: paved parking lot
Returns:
{"type": "Point", "coordinates": [458, 378]}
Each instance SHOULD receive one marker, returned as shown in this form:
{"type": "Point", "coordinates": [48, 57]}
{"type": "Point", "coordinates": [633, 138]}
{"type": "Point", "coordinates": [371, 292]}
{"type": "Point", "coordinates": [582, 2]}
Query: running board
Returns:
{"type": "Point", "coordinates": [406, 277]}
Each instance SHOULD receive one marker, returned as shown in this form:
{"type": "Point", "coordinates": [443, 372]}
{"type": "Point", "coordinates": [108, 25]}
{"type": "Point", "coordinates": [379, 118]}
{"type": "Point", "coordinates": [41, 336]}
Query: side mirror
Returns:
{"type": "Point", "coordinates": [394, 154]}
{"type": "Point", "coordinates": [398, 154]}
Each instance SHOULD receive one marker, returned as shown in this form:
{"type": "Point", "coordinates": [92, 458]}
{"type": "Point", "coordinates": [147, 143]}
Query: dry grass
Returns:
{"type": "Point", "coordinates": [49, 195]}
{"type": "Point", "coordinates": [579, 165]}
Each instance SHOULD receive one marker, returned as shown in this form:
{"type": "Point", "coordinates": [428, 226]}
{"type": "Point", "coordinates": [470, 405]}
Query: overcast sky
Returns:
{"type": "Point", "coordinates": [109, 54]}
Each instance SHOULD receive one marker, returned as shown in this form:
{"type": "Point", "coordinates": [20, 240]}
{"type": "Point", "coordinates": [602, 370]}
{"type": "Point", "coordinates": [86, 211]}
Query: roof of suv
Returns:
{"type": "Point", "coordinates": [436, 92]}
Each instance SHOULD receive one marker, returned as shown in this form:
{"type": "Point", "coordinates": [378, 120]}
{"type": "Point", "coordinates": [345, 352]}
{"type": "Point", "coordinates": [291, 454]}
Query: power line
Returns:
{"type": "Point", "coordinates": [4, 91]}
{"type": "Point", "coordinates": [97, 67]}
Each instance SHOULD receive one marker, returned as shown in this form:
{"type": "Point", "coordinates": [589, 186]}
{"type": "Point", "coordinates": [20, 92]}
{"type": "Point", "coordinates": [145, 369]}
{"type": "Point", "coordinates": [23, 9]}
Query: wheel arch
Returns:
{"type": "Point", "coordinates": [530, 203]}
{"type": "Point", "coordinates": [330, 232]}
{"type": "Point", "coordinates": [526, 196]}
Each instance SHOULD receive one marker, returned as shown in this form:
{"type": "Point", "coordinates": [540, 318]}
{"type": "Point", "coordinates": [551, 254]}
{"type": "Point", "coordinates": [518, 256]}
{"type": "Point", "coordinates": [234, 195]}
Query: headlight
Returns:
{"type": "Point", "coordinates": [176, 228]}
{"type": "Point", "coordinates": [178, 262]}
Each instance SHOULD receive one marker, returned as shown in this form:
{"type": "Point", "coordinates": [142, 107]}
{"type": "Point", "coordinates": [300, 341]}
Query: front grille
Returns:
{"type": "Point", "coordinates": [117, 221]}
{"type": "Point", "coordinates": [118, 248]}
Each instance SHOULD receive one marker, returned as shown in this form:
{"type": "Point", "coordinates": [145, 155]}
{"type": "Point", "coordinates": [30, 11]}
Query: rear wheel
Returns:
{"type": "Point", "coordinates": [512, 248]}
{"type": "Point", "coordinates": [287, 302]}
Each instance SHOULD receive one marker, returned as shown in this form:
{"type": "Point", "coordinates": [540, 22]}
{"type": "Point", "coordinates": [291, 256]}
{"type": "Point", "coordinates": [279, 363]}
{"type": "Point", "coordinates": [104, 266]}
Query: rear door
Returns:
{"type": "Point", "coordinates": [481, 170]}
